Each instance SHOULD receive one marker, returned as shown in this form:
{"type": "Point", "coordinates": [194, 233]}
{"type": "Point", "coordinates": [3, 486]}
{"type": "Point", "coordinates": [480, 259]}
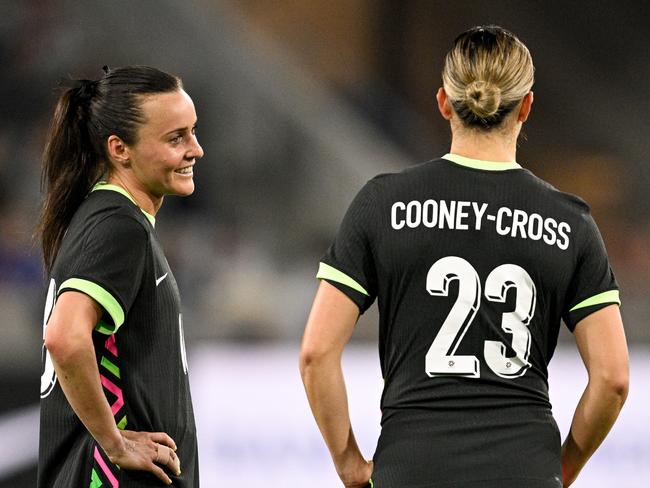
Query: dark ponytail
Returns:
{"type": "Point", "coordinates": [75, 156]}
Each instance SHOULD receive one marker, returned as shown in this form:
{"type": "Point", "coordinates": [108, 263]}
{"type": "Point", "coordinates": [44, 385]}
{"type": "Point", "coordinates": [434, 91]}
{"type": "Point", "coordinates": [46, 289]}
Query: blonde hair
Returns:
{"type": "Point", "coordinates": [486, 74]}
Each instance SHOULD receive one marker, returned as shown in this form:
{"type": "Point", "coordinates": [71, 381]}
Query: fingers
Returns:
{"type": "Point", "coordinates": [162, 438]}
{"type": "Point", "coordinates": [165, 456]}
{"type": "Point", "coordinates": [160, 474]}
{"type": "Point", "coordinates": [162, 454]}
{"type": "Point", "coordinates": [151, 451]}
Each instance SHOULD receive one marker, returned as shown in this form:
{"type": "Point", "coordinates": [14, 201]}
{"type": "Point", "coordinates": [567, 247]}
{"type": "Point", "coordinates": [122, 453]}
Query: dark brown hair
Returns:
{"type": "Point", "coordinates": [75, 156]}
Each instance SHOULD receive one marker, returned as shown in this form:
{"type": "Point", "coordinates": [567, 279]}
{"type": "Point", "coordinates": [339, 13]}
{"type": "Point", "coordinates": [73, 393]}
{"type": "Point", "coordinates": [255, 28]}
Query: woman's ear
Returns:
{"type": "Point", "coordinates": [118, 151]}
{"type": "Point", "coordinates": [526, 105]}
{"type": "Point", "coordinates": [443, 104]}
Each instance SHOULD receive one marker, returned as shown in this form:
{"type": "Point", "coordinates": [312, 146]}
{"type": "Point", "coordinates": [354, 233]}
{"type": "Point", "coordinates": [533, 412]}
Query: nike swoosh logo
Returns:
{"type": "Point", "coordinates": [160, 279]}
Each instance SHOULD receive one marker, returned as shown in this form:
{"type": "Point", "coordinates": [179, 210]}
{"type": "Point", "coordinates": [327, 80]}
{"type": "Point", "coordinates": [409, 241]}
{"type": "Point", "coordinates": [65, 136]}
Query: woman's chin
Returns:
{"type": "Point", "coordinates": [182, 188]}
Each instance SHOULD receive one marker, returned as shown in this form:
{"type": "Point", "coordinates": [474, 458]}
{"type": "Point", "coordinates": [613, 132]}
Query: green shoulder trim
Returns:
{"type": "Point", "coordinates": [611, 296]}
{"type": "Point", "coordinates": [326, 272]}
{"type": "Point", "coordinates": [480, 164]}
{"type": "Point", "coordinates": [102, 185]}
{"type": "Point", "coordinates": [101, 296]}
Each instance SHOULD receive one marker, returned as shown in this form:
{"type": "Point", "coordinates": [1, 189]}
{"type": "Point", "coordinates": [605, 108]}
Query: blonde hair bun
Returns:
{"type": "Point", "coordinates": [487, 73]}
{"type": "Point", "coordinates": [482, 98]}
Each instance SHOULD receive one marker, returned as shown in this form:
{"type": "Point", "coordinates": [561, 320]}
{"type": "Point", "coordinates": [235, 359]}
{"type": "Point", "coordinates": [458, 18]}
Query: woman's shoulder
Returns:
{"type": "Point", "coordinates": [410, 173]}
{"type": "Point", "coordinates": [566, 199]}
{"type": "Point", "coordinates": [109, 209]}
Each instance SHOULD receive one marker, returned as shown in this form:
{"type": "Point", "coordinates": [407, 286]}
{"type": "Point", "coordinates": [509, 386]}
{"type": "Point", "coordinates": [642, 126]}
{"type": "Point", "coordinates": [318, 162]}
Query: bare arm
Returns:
{"type": "Point", "coordinates": [69, 341]}
{"type": "Point", "coordinates": [601, 342]}
{"type": "Point", "coordinates": [329, 327]}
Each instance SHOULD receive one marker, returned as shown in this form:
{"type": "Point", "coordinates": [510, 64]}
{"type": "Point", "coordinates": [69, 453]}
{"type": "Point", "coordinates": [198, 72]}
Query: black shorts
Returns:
{"type": "Point", "coordinates": [508, 448]}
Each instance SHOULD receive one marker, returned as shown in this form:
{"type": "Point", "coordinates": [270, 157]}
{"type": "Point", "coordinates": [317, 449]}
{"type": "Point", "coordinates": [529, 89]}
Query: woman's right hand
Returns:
{"type": "Point", "coordinates": [359, 476]}
{"type": "Point", "coordinates": [146, 451]}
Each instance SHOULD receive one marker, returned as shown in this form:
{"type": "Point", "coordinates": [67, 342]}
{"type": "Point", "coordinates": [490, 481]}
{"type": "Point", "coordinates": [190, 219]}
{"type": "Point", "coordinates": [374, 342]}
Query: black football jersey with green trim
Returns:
{"type": "Point", "coordinates": [473, 265]}
{"type": "Point", "coordinates": [111, 253]}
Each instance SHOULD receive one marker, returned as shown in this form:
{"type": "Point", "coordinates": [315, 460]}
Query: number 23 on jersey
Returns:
{"type": "Point", "coordinates": [441, 358]}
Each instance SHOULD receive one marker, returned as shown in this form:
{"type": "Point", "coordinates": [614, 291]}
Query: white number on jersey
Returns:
{"type": "Point", "coordinates": [500, 280]}
{"type": "Point", "coordinates": [48, 376]}
{"type": "Point", "coordinates": [182, 342]}
{"type": "Point", "coordinates": [441, 359]}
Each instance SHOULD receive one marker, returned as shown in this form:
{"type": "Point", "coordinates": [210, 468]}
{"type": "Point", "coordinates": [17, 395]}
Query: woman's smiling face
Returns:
{"type": "Point", "coordinates": [163, 157]}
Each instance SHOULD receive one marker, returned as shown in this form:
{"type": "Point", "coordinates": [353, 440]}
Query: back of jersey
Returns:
{"type": "Point", "coordinates": [473, 265]}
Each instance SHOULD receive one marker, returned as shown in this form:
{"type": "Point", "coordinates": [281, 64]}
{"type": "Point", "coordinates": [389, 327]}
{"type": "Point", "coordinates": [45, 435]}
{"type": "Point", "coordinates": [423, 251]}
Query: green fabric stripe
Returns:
{"type": "Point", "coordinates": [480, 164]}
{"type": "Point", "coordinates": [95, 482]}
{"type": "Point", "coordinates": [326, 272]}
{"type": "Point", "coordinates": [122, 423]}
{"type": "Point", "coordinates": [610, 296]}
{"type": "Point", "coordinates": [102, 185]}
{"type": "Point", "coordinates": [104, 328]}
{"type": "Point", "coordinates": [101, 296]}
{"type": "Point", "coordinates": [372, 485]}
{"type": "Point", "coordinates": [110, 366]}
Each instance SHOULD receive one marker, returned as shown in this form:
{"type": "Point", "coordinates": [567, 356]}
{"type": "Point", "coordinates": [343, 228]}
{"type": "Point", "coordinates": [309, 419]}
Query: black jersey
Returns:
{"type": "Point", "coordinates": [473, 265]}
{"type": "Point", "coordinates": [111, 253]}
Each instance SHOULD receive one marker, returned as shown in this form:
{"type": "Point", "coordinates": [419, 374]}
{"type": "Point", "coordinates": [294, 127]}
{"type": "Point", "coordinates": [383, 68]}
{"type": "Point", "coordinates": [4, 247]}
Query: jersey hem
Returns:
{"type": "Point", "coordinates": [488, 483]}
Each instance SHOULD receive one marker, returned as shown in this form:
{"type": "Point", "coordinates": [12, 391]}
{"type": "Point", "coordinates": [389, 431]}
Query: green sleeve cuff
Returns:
{"type": "Point", "coordinates": [327, 272]}
{"type": "Point", "coordinates": [611, 296]}
{"type": "Point", "coordinates": [101, 296]}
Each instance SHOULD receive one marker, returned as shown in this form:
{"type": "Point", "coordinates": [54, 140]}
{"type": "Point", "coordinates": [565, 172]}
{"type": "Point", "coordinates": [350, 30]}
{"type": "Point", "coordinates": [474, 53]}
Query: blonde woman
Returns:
{"type": "Point", "coordinates": [474, 262]}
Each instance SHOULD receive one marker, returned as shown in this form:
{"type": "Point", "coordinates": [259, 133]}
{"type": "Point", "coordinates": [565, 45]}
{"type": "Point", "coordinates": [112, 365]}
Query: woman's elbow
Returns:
{"type": "Point", "coordinates": [308, 357]}
{"type": "Point", "coordinates": [314, 357]}
{"type": "Point", "coordinates": [616, 383]}
{"type": "Point", "coordinates": [53, 341]}
{"type": "Point", "coordinates": [57, 346]}
{"type": "Point", "coordinates": [620, 385]}
{"type": "Point", "coordinates": [63, 346]}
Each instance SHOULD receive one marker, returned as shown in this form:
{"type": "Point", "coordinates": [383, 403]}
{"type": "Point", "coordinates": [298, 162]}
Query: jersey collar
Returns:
{"type": "Point", "coordinates": [102, 185]}
{"type": "Point", "coordinates": [480, 164]}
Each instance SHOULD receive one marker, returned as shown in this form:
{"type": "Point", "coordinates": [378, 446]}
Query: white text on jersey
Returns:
{"type": "Point", "coordinates": [463, 215]}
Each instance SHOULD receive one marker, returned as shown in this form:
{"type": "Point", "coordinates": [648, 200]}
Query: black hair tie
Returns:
{"type": "Point", "coordinates": [85, 90]}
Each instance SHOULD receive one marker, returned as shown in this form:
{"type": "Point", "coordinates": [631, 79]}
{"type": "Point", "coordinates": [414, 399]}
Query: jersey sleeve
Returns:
{"type": "Point", "coordinates": [110, 268]}
{"type": "Point", "coordinates": [349, 263]}
{"type": "Point", "coordinates": [593, 285]}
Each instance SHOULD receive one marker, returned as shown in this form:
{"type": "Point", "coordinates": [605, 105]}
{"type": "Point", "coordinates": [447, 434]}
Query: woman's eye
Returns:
{"type": "Point", "coordinates": [176, 139]}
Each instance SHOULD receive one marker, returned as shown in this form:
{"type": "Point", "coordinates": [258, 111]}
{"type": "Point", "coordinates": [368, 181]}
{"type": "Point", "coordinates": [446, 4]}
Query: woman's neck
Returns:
{"type": "Point", "coordinates": [142, 198]}
{"type": "Point", "coordinates": [494, 145]}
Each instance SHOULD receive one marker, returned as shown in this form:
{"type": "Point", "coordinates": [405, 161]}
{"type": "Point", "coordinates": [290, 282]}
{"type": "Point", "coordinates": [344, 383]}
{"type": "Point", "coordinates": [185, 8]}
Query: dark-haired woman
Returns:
{"type": "Point", "coordinates": [115, 401]}
{"type": "Point", "coordinates": [474, 261]}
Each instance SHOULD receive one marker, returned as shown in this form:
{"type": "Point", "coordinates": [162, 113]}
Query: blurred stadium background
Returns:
{"type": "Point", "coordinates": [299, 103]}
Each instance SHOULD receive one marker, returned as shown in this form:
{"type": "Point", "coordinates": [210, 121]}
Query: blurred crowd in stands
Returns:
{"type": "Point", "coordinates": [245, 247]}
